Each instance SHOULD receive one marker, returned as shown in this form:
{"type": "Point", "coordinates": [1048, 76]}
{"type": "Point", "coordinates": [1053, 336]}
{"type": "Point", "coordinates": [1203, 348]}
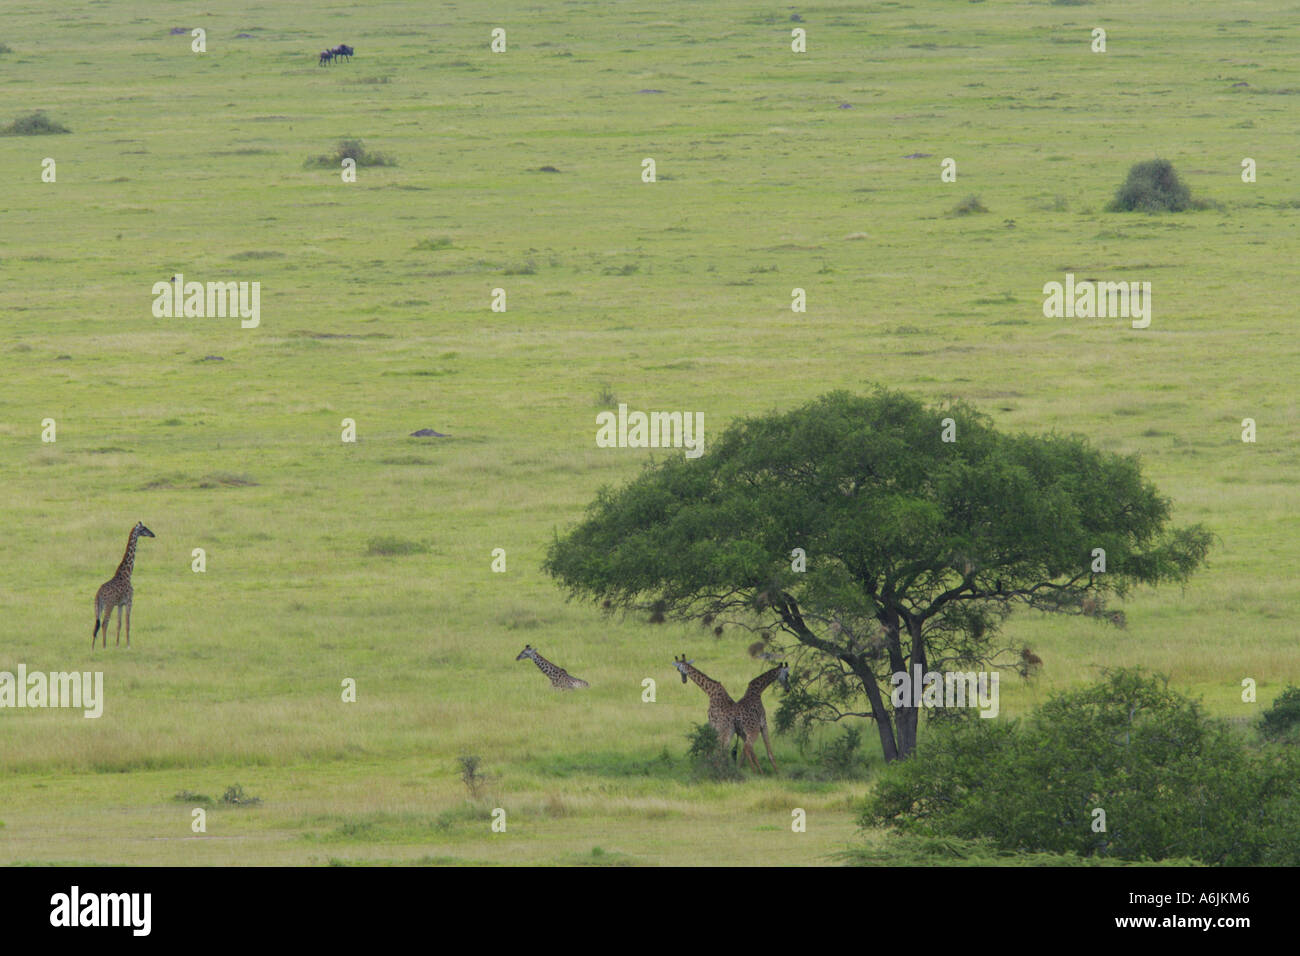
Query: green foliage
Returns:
{"type": "Point", "coordinates": [353, 149]}
{"type": "Point", "coordinates": [1281, 720]}
{"type": "Point", "coordinates": [1172, 782]}
{"type": "Point", "coordinates": [909, 849]}
{"type": "Point", "coordinates": [969, 205]}
{"type": "Point", "coordinates": [866, 484]}
{"type": "Point", "coordinates": [189, 796]}
{"type": "Point", "coordinates": [1152, 186]}
{"type": "Point", "coordinates": [469, 774]}
{"type": "Point", "coordinates": [235, 797]}
{"type": "Point", "coordinates": [842, 756]}
{"type": "Point", "coordinates": [33, 124]}
{"type": "Point", "coordinates": [388, 546]}
{"type": "Point", "coordinates": [709, 759]}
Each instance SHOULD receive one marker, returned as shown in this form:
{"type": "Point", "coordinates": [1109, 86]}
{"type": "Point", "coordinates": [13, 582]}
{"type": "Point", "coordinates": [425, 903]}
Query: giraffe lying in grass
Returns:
{"type": "Point", "coordinates": [117, 592]}
{"type": "Point", "coordinates": [560, 678]}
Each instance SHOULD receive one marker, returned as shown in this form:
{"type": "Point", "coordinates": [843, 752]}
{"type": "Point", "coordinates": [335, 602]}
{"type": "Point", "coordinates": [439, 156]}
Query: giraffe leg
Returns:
{"type": "Point", "coordinates": [768, 744]}
{"type": "Point", "coordinates": [128, 636]}
{"type": "Point", "coordinates": [119, 627]}
{"type": "Point", "coordinates": [95, 633]}
{"type": "Point", "coordinates": [749, 752]}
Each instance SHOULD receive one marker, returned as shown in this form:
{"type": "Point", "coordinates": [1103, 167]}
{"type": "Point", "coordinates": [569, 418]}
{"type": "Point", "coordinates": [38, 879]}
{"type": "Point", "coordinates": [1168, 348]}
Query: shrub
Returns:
{"type": "Point", "coordinates": [390, 546]}
{"type": "Point", "coordinates": [710, 760]}
{"type": "Point", "coordinates": [841, 756]}
{"type": "Point", "coordinates": [470, 775]}
{"type": "Point", "coordinates": [969, 205]}
{"type": "Point", "coordinates": [1280, 720]}
{"type": "Point", "coordinates": [235, 797]}
{"type": "Point", "coordinates": [1153, 186]}
{"type": "Point", "coordinates": [1172, 781]}
{"type": "Point", "coordinates": [190, 796]}
{"type": "Point", "coordinates": [34, 124]}
{"type": "Point", "coordinates": [353, 149]}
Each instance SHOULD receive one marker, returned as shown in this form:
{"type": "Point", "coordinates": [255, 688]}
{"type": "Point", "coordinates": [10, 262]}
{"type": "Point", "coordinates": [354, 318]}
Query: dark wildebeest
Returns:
{"type": "Point", "coordinates": [344, 51]}
{"type": "Point", "coordinates": [325, 57]}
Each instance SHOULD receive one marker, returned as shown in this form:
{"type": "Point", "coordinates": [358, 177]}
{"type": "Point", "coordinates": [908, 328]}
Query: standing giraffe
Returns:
{"type": "Point", "coordinates": [722, 709]}
{"type": "Point", "coordinates": [751, 719]}
{"type": "Point", "coordinates": [116, 592]}
{"type": "Point", "coordinates": [560, 678]}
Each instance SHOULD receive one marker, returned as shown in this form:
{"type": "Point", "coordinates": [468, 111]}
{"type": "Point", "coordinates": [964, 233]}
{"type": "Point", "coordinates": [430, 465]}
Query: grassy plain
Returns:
{"type": "Point", "coordinates": [776, 170]}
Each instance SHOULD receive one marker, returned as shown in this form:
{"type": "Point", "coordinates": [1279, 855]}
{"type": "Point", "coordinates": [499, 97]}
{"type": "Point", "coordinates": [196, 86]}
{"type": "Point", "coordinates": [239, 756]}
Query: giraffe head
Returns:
{"type": "Point", "coordinates": [783, 675]}
{"type": "Point", "coordinates": [681, 666]}
{"type": "Point", "coordinates": [142, 532]}
{"type": "Point", "coordinates": [528, 651]}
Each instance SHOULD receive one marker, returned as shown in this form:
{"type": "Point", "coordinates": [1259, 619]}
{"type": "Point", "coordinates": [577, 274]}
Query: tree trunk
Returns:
{"type": "Point", "coordinates": [884, 726]}
{"type": "Point", "coordinates": [908, 718]}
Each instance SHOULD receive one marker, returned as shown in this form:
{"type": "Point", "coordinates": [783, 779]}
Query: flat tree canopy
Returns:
{"type": "Point", "coordinates": [923, 528]}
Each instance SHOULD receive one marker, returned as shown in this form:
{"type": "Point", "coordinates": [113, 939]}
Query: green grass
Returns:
{"type": "Point", "coordinates": [372, 560]}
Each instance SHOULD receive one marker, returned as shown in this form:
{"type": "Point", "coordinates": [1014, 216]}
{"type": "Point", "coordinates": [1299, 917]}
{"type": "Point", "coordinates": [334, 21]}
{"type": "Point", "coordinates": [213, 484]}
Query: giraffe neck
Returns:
{"type": "Point", "coordinates": [128, 559]}
{"type": "Point", "coordinates": [707, 684]}
{"type": "Point", "coordinates": [761, 683]}
{"type": "Point", "coordinates": [545, 666]}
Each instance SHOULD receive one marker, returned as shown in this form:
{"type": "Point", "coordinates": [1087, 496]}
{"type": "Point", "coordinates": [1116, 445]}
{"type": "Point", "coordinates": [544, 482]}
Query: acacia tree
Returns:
{"type": "Point", "coordinates": [923, 529]}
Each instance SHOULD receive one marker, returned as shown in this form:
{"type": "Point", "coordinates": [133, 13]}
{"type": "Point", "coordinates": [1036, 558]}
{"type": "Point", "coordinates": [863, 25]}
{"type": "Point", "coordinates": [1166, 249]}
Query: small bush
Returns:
{"type": "Point", "coordinates": [433, 245]}
{"type": "Point", "coordinates": [235, 797]}
{"type": "Point", "coordinates": [470, 775]}
{"type": "Point", "coordinates": [706, 753]}
{"type": "Point", "coordinates": [4, 48]}
{"type": "Point", "coordinates": [33, 124]}
{"type": "Point", "coordinates": [189, 796]}
{"type": "Point", "coordinates": [841, 756]}
{"type": "Point", "coordinates": [1153, 186]}
{"type": "Point", "coordinates": [1281, 720]}
{"type": "Point", "coordinates": [387, 547]}
{"type": "Point", "coordinates": [353, 149]}
{"type": "Point", "coordinates": [969, 205]}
